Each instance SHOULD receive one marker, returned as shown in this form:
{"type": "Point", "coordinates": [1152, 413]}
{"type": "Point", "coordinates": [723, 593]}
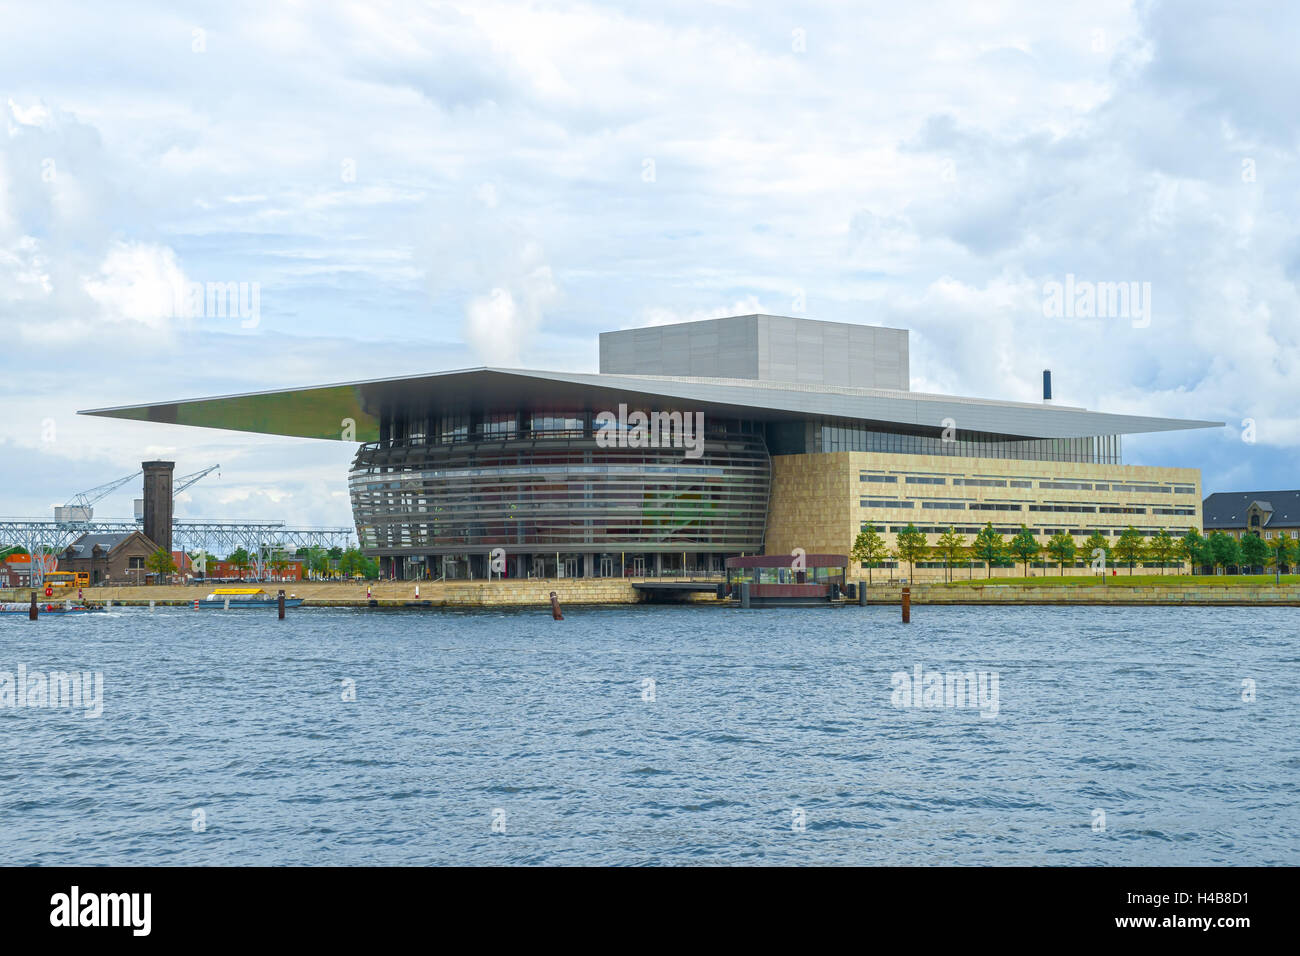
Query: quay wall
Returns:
{"type": "Point", "coordinates": [536, 593]}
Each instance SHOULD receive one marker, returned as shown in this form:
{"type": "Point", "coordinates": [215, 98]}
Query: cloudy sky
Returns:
{"type": "Point", "coordinates": [415, 187]}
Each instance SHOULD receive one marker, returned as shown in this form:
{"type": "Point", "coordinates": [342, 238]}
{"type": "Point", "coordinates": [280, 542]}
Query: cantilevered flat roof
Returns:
{"type": "Point", "coordinates": [323, 411]}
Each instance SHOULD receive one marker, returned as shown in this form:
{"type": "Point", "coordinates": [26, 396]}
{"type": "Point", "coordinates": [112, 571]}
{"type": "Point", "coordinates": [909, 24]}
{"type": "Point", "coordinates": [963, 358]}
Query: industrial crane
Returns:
{"type": "Point", "coordinates": [81, 507]}
{"type": "Point", "coordinates": [78, 513]}
{"type": "Point", "coordinates": [180, 484]}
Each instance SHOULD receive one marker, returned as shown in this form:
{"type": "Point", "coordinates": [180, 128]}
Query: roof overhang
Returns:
{"type": "Point", "coordinates": [352, 411]}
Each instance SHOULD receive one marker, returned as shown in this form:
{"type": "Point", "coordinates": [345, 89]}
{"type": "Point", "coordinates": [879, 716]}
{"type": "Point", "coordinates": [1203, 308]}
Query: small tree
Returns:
{"type": "Point", "coordinates": [316, 560]}
{"type": "Point", "coordinates": [1162, 548]}
{"type": "Point", "coordinates": [1025, 547]}
{"type": "Point", "coordinates": [239, 559]}
{"type": "Point", "coordinates": [1280, 553]}
{"type": "Point", "coordinates": [1062, 549]}
{"type": "Point", "coordinates": [280, 562]}
{"type": "Point", "coordinates": [869, 549]}
{"type": "Point", "coordinates": [1196, 549]}
{"type": "Point", "coordinates": [160, 563]}
{"type": "Point", "coordinates": [911, 547]}
{"type": "Point", "coordinates": [1254, 551]}
{"type": "Point", "coordinates": [1224, 551]}
{"type": "Point", "coordinates": [352, 561]}
{"type": "Point", "coordinates": [1130, 547]}
{"type": "Point", "coordinates": [949, 546]}
{"type": "Point", "coordinates": [989, 547]}
{"type": "Point", "coordinates": [1094, 543]}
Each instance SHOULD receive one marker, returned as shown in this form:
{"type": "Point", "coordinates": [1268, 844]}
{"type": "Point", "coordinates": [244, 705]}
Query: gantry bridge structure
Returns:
{"type": "Point", "coordinates": [262, 540]}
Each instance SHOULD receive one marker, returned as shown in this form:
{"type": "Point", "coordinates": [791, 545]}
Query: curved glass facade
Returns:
{"type": "Point", "coordinates": [421, 496]}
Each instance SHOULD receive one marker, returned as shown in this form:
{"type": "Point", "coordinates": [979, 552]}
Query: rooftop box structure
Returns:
{"type": "Point", "coordinates": [763, 348]}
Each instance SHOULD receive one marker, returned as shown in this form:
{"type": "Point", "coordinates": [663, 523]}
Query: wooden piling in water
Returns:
{"type": "Point", "coordinates": [555, 608]}
{"type": "Point", "coordinates": [907, 605]}
{"type": "Point", "coordinates": [32, 613]}
{"type": "Point", "coordinates": [279, 603]}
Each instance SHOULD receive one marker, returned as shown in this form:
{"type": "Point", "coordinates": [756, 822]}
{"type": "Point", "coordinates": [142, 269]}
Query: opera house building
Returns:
{"type": "Point", "coordinates": [701, 441]}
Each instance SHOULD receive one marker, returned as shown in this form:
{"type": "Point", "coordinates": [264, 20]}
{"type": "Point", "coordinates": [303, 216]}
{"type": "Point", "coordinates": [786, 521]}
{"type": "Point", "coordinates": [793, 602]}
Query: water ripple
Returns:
{"type": "Point", "coordinates": [502, 737]}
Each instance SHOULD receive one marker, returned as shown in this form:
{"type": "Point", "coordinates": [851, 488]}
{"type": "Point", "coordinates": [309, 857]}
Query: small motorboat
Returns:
{"type": "Point", "coordinates": [47, 607]}
{"type": "Point", "coordinates": [233, 598]}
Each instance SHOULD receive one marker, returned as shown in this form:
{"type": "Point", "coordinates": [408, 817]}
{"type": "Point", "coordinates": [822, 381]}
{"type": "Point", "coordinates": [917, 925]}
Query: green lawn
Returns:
{"type": "Point", "coordinates": [1123, 578]}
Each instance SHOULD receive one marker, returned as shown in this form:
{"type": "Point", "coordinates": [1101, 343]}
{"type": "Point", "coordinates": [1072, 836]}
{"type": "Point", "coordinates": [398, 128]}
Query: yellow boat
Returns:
{"type": "Point", "coordinates": [243, 598]}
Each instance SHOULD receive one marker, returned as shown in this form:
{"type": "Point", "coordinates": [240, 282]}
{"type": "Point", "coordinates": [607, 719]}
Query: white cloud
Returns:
{"type": "Point", "coordinates": [929, 172]}
{"type": "Point", "coordinates": [660, 315]}
{"type": "Point", "coordinates": [24, 271]}
{"type": "Point", "coordinates": [34, 115]}
{"type": "Point", "coordinates": [500, 325]}
{"type": "Point", "coordinates": [138, 282]}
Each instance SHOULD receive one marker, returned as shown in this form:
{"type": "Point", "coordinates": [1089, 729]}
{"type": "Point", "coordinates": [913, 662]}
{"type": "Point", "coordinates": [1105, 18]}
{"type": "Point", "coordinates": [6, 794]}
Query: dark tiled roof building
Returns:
{"type": "Point", "coordinates": [1268, 513]}
{"type": "Point", "coordinates": [117, 558]}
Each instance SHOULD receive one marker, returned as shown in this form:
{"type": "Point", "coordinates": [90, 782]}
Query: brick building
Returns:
{"type": "Point", "coordinates": [109, 558]}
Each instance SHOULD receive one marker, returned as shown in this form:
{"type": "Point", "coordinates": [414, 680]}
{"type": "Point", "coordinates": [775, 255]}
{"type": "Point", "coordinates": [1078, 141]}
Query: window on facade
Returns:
{"type": "Point", "coordinates": [500, 425]}
{"type": "Point", "coordinates": [452, 428]}
{"type": "Point", "coordinates": [556, 423]}
{"type": "Point", "coordinates": [838, 435]}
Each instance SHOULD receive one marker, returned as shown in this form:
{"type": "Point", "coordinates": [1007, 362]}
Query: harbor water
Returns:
{"type": "Point", "coordinates": [655, 735]}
